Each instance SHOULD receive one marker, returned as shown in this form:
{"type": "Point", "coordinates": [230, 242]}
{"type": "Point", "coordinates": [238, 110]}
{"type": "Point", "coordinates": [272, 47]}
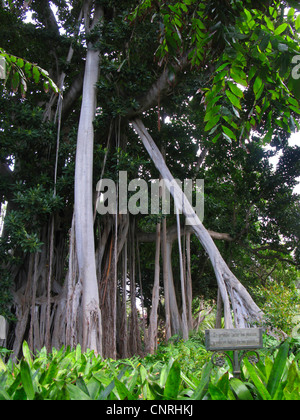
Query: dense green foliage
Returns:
{"type": "Point", "coordinates": [229, 93]}
{"type": "Point", "coordinates": [180, 371]}
{"type": "Point", "coordinates": [280, 303]}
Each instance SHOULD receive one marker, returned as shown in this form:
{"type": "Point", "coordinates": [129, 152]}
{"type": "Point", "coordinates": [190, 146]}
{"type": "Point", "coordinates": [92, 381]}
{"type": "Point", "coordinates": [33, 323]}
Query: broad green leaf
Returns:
{"type": "Point", "coordinates": [105, 393]}
{"type": "Point", "coordinates": [278, 368]}
{"type": "Point", "coordinates": [291, 13]}
{"type": "Point", "coordinates": [269, 23]}
{"type": "Point", "coordinates": [27, 69]}
{"type": "Point", "coordinates": [15, 385]}
{"type": "Point", "coordinates": [248, 15]}
{"type": "Point", "coordinates": [54, 87]}
{"type": "Point", "coordinates": [257, 85]}
{"type": "Point", "coordinates": [220, 76]}
{"type": "Point", "coordinates": [26, 379]}
{"type": "Point", "coordinates": [50, 373]}
{"type": "Point", "coordinates": [212, 102]}
{"type": "Point", "coordinates": [233, 99]}
{"type": "Point", "coordinates": [281, 29]}
{"type": "Point", "coordinates": [4, 396]}
{"type": "Point", "coordinates": [268, 137]}
{"type": "Point", "coordinates": [36, 74]}
{"type": "Point", "coordinates": [15, 81]}
{"type": "Point", "coordinates": [212, 113]}
{"type": "Point", "coordinates": [81, 384]}
{"type": "Point", "coordinates": [292, 396]}
{"type": "Point", "coordinates": [27, 66]}
{"type": "Point", "coordinates": [20, 62]}
{"type": "Point", "coordinates": [240, 389]}
{"type": "Point", "coordinates": [94, 387]}
{"type": "Point", "coordinates": [2, 365]}
{"type": "Point", "coordinates": [222, 67]}
{"type": "Point", "coordinates": [173, 382]}
{"type": "Point", "coordinates": [258, 88]}
{"type": "Point", "coordinates": [163, 375]}
{"type": "Point", "coordinates": [251, 74]}
{"type": "Point", "coordinates": [239, 77]}
{"type": "Point", "coordinates": [214, 121]}
{"type": "Point", "coordinates": [230, 122]}
{"type": "Point", "coordinates": [235, 89]}
{"type": "Point", "coordinates": [293, 378]}
{"type": "Point", "coordinates": [188, 381]}
{"type": "Point", "coordinates": [123, 392]}
{"type": "Point", "coordinates": [297, 110]}
{"type": "Point", "coordinates": [293, 102]}
{"type": "Point", "coordinates": [223, 383]}
{"type": "Point", "coordinates": [214, 140]}
{"type": "Point", "coordinates": [228, 132]}
{"type": "Point", "coordinates": [77, 394]}
{"type": "Point", "coordinates": [154, 391]}
{"type": "Point", "coordinates": [26, 353]}
{"type": "Point", "coordinates": [264, 42]}
{"type": "Point", "coordinates": [143, 373]}
{"type": "Point", "coordinates": [262, 390]}
{"type": "Point", "coordinates": [133, 381]}
{"type": "Point", "coordinates": [297, 23]}
{"type": "Point", "coordinates": [216, 394]}
{"type": "Point", "coordinates": [202, 387]}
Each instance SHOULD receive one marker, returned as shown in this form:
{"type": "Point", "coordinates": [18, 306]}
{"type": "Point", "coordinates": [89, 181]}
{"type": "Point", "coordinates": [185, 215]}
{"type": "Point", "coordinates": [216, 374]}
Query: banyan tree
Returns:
{"type": "Point", "coordinates": [152, 90]}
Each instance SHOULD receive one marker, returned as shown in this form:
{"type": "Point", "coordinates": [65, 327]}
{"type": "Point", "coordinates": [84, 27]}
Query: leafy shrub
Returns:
{"type": "Point", "coordinates": [177, 372]}
{"type": "Point", "coordinates": [280, 304]}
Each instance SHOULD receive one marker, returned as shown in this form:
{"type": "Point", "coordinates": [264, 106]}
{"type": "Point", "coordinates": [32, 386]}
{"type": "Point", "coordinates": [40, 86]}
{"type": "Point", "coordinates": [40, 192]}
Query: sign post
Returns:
{"type": "Point", "coordinates": [237, 339]}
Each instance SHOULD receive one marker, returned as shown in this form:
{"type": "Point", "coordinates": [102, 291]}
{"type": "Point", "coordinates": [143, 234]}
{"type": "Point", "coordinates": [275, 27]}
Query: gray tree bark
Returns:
{"type": "Point", "coordinates": [84, 223]}
{"type": "Point", "coordinates": [244, 308]}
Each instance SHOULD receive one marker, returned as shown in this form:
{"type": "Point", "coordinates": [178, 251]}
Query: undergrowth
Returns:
{"type": "Point", "coordinates": [177, 371]}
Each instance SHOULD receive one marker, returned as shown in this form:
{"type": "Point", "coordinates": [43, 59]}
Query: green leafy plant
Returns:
{"type": "Point", "coordinates": [19, 71]}
{"type": "Point", "coordinates": [280, 304]}
{"type": "Point", "coordinates": [275, 380]}
{"type": "Point", "coordinates": [67, 374]}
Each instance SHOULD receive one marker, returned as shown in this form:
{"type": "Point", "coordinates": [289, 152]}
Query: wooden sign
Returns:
{"type": "Point", "coordinates": [233, 339]}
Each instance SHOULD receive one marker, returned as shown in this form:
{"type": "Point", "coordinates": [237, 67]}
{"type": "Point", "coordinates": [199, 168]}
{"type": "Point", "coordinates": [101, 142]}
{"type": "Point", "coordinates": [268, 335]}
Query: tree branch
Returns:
{"type": "Point", "coordinates": [240, 300]}
{"type": "Point", "coordinates": [160, 88]}
{"type": "Point", "coordinates": [72, 95]}
{"type": "Point", "coordinates": [46, 15]}
{"type": "Point", "coordinates": [172, 235]}
{"type": "Point", "coordinates": [273, 257]}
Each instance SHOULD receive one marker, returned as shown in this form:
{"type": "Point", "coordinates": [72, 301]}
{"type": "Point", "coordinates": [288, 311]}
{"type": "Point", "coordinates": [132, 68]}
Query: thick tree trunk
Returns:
{"type": "Point", "coordinates": [244, 308]}
{"type": "Point", "coordinates": [84, 223]}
